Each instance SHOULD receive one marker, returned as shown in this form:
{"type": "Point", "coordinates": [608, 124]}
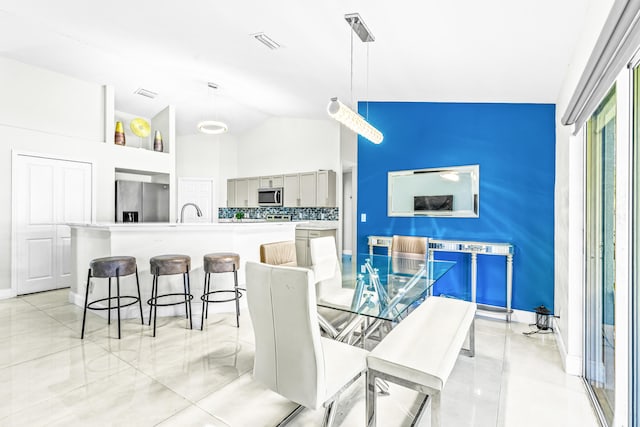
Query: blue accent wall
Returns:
{"type": "Point", "coordinates": [514, 144]}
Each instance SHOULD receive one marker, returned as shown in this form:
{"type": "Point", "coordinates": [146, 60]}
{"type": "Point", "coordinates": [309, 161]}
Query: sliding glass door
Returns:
{"type": "Point", "coordinates": [635, 290]}
{"type": "Point", "coordinates": [600, 256]}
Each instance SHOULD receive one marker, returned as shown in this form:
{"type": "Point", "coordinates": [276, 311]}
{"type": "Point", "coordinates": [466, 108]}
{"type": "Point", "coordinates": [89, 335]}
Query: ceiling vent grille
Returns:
{"type": "Point", "coordinates": [145, 92]}
{"type": "Point", "coordinates": [266, 40]}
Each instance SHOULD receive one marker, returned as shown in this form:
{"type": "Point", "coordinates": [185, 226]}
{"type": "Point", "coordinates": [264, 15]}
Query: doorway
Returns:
{"type": "Point", "coordinates": [600, 256]}
{"type": "Point", "coordinates": [47, 193]}
{"type": "Point", "coordinates": [347, 212]}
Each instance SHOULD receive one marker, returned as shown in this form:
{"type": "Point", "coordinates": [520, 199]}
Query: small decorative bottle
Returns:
{"type": "Point", "coordinates": [119, 136]}
{"type": "Point", "coordinates": [157, 142]}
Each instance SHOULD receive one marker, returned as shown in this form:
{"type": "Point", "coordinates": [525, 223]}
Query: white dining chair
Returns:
{"type": "Point", "coordinates": [326, 268]}
{"type": "Point", "coordinates": [291, 358]}
{"type": "Point", "coordinates": [279, 253]}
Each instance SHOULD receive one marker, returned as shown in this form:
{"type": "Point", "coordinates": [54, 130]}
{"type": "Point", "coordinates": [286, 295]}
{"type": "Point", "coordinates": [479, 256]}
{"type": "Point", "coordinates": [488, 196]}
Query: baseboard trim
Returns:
{"type": "Point", "coordinates": [572, 364]}
{"type": "Point", "coordinates": [347, 252]}
{"type": "Point", "coordinates": [7, 293]}
{"type": "Point", "coordinates": [518, 316]}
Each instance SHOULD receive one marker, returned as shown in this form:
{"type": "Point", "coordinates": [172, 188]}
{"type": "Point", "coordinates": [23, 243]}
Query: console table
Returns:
{"type": "Point", "coordinates": [381, 241]}
{"type": "Point", "coordinates": [472, 248]}
{"type": "Point", "coordinates": [475, 249]}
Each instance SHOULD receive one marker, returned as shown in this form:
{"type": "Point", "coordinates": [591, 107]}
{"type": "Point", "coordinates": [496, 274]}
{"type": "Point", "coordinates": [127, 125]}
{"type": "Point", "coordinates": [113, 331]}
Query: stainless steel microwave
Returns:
{"type": "Point", "coordinates": [270, 197]}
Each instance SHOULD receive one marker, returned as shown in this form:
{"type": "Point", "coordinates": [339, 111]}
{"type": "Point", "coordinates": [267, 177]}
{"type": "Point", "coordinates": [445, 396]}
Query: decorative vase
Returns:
{"type": "Point", "coordinates": [157, 142]}
{"type": "Point", "coordinates": [119, 136]}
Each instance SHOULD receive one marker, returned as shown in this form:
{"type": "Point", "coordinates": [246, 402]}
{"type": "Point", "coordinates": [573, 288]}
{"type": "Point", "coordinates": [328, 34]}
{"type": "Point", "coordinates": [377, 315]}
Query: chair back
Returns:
{"type": "Point", "coordinates": [279, 253]}
{"type": "Point", "coordinates": [325, 265]}
{"type": "Point", "coordinates": [288, 358]}
{"type": "Point", "coordinates": [408, 253]}
{"type": "Point", "coordinates": [409, 244]}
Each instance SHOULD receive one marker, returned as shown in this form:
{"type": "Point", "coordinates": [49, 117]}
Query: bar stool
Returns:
{"type": "Point", "coordinates": [108, 268]}
{"type": "Point", "coordinates": [220, 262]}
{"type": "Point", "coordinates": [165, 265]}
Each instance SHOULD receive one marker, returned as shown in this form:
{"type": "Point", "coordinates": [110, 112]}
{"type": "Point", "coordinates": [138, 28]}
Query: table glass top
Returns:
{"type": "Point", "coordinates": [384, 286]}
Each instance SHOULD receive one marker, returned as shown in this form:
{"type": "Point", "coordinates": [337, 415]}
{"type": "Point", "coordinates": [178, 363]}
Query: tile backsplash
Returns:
{"type": "Point", "coordinates": [297, 214]}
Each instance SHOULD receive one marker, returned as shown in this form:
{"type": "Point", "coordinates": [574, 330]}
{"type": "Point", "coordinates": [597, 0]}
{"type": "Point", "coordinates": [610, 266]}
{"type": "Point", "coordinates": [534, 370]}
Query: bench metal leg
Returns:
{"type": "Point", "coordinates": [471, 351]}
{"type": "Point", "coordinates": [431, 395]}
{"type": "Point", "coordinates": [371, 398]}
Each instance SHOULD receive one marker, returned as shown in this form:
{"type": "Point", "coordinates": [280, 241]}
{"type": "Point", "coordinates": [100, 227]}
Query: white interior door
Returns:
{"type": "Point", "coordinates": [48, 194]}
{"type": "Point", "coordinates": [200, 192]}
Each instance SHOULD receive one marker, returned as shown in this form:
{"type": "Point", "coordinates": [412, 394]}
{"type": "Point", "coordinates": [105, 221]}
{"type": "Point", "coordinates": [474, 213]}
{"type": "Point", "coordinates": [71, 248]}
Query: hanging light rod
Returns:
{"type": "Point", "coordinates": [359, 27]}
{"type": "Point", "coordinates": [353, 121]}
{"type": "Point", "coordinates": [212, 127]}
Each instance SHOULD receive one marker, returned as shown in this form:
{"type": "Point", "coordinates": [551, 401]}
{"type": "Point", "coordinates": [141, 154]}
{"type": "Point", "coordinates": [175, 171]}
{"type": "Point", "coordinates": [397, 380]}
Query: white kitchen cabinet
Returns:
{"type": "Point", "coordinates": [252, 192]}
{"type": "Point", "coordinates": [308, 189]}
{"type": "Point", "coordinates": [242, 189]}
{"type": "Point", "coordinates": [303, 236]}
{"type": "Point", "coordinates": [276, 181]}
{"type": "Point", "coordinates": [291, 190]}
{"type": "Point", "coordinates": [326, 189]}
{"type": "Point", "coordinates": [231, 193]}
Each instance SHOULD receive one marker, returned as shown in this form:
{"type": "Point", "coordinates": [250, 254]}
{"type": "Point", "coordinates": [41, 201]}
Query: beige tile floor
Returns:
{"type": "Point", "coordinates": [183, 377]}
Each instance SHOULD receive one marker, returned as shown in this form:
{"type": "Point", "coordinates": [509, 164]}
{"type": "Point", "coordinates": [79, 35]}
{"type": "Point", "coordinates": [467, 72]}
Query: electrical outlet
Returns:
{"type": "Point", "coordinates": [363, 217]}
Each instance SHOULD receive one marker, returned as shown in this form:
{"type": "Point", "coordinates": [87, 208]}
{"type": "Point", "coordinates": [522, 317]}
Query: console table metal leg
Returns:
{"type": "Point", "coordinates": [509, 284]}
{"type": "Point", "coordinates": [474, 275]}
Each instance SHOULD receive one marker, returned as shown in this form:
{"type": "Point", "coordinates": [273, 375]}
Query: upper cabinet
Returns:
{"type": "Point", "coordinates": [291, 190]}
{"type": "Point", "coordinates": [305, 189]}
{"type": "Point", "coordinates": [326, 190]}
{"type": "Point", "coordinates": [308, 188]}
{"type": "Point", "coordinates": [276, 181]}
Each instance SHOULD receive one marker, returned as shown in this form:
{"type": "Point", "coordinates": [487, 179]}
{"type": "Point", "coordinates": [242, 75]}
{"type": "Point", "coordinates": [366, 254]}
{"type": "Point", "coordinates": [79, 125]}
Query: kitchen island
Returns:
{"type": "Point", "coordinates": [145, 240]}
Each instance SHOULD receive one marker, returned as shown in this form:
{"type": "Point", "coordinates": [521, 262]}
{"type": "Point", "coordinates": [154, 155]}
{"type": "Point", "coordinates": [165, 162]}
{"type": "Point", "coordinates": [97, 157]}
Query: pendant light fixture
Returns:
{"type": "Point", "coordinates": [337, 109]}
{"type": "Point", "coordinates": [212, 127]}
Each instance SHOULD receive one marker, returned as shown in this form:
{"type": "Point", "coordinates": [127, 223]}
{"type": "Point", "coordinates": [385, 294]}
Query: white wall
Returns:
{"type": "Point", "coordinates": [286, 145]}
{"type": "Point", "coordinates": [569, 200]}
{"type": "Point", "coordinates": [50, 114]}
{"type": "Point", "coordinates": [279, 145]}
{"type": "Point", "coordinates": [208, 156]}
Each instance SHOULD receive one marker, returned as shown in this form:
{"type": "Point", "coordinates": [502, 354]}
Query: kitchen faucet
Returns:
{"type": "Point", "coordinates": [198, 211]}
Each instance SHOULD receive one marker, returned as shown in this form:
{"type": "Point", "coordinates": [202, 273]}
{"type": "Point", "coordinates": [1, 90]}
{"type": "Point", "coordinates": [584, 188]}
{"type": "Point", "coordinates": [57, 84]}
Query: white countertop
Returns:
{"type": "Point", "coordinates": [190, 226]}
{"type": "Point", "coordinates": [317, 225]}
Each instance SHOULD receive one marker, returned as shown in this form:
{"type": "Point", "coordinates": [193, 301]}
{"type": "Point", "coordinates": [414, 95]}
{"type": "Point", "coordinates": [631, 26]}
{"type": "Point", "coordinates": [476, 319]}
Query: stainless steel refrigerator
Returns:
{"type": "Point", "coordinates": [141, 201]}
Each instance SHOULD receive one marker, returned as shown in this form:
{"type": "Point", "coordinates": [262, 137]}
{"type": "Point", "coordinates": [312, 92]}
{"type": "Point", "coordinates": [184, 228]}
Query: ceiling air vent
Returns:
{"type": "Point", "coordinates": [266, 40]}
{"type": "Point", "coordinates": [145, 92]}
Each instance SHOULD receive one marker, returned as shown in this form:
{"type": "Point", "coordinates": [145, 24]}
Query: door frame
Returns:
{"type": "Point", "coordinates": [13, 291]}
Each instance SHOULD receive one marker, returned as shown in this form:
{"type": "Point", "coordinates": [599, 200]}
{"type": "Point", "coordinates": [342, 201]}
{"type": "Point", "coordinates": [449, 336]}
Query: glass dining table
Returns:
{"type": "Point", "coordinates": [379, 288]}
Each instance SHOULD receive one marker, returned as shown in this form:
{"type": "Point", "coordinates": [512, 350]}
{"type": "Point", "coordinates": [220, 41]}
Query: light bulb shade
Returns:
{"type": "Point", "coordinates": [212, 127]}
{"type": "Point", "coordinates": [353, 121]}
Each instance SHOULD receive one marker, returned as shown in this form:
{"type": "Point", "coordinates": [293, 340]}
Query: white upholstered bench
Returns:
{"type": "Point", "coordinates": [421, 351]}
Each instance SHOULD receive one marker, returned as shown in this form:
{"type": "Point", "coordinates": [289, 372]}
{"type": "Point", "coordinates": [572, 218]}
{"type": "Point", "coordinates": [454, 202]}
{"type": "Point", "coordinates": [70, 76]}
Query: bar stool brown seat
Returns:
{"type": "Point", "coordinates": [108, 268]}
{"type": "Point", "coordinates": [166, 265]}
{"type": "Point", "coordinates": [215, 263]}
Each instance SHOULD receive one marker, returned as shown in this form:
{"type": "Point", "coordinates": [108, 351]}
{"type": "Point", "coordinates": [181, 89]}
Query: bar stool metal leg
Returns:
{"type": "Point", "coordinates": [86, 302]}
{"type": "Point", "coordinates": [139, 297]}
{"type": "Point", "coordinates": [187, 290]}
{"type": "Point", "coordinates": [109, 304]}
{"type": "Point", "coordinates": [155, 306]}
{"type": "Point", "coordinates": [118, 298]}
{"type": "Point", "coordinates": [235, 288]}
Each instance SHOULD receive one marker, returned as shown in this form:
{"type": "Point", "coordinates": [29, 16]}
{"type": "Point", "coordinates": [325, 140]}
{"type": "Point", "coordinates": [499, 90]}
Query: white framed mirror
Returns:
{"type": "Point", "coordinates": [442, 192]}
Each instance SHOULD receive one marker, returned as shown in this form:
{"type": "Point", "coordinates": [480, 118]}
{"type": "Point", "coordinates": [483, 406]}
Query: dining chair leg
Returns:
{"type": "Point", "coordinates": [86, 302]}
{"type": "Point", "coordinates": [329, 414]}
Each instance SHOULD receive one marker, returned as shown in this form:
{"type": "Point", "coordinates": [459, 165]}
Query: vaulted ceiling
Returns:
{"type": "Point", "coordinates": [424, 50]}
